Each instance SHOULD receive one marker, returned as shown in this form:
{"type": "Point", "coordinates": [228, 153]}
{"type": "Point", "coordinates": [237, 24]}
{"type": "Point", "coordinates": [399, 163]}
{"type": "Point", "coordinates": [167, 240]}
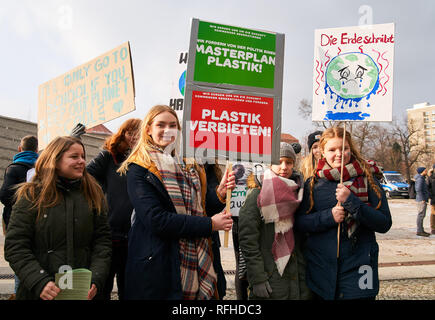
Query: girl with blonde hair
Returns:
{"type": "Point", "coordinates": [358, 205]}
{"type": "Point", "coordinates": [309, 163]}
{"type": "Point", "coordinates": [59, 219]}
{"type": "Point", "coordinates": [169, 248]}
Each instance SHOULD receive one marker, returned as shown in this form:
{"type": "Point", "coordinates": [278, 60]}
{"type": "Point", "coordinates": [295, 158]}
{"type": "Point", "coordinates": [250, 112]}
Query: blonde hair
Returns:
{"type": "Point", "coordinates": [338, 132]}
{"type": "Point", "coordinates": [308, 165]}
{"type": "Point", "coordinates": [140, 152]}
{"type": "Point", "coordinates": [42, 190]}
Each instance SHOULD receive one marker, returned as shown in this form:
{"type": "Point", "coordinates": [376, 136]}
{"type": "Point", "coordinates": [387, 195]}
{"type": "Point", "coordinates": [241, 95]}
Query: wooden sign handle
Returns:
{"type": "Point", "coordinates": [341, 181]}
{"type": "Point", "coordinates": [228, 204]}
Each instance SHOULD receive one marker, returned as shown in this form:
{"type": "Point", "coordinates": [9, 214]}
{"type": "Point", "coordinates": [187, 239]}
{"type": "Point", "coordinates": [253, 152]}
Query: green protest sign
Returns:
{"type": "Point", "coordinates": [236, 56]}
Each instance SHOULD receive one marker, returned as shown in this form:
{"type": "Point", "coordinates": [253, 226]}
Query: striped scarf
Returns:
{"type": "Point", "coordinates": [354, 179]}
{"type": "Point", "coordinates": [198, 278]}
{"type": "Point", "coordinates": [278, 200]}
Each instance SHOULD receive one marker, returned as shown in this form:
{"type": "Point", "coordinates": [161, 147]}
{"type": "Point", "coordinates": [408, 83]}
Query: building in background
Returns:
{"type": "Point", "coordinates": [421, 118]}
{"type": "Point", "coordinates": [12, 130]}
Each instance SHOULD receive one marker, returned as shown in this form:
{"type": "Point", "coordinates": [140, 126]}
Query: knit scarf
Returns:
{"type": "Point", "coordinates": [198, 278]}
{"type": "Point", "coordinates": [278, 200]}
{"type": "Point", "coordinates": [354, 179]}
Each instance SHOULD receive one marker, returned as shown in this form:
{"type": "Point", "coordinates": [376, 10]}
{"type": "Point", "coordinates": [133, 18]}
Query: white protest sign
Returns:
{"type": "Point", "coordinates": [353, 73]}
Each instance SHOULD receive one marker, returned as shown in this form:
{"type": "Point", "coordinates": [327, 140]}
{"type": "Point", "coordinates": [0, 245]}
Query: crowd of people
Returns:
{"type": "Point", "coordinates": [142, 214]}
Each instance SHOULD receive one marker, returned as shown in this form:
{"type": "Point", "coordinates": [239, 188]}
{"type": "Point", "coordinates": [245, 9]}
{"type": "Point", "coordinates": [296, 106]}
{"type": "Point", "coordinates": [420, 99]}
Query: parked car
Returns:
{"type": "Point", "coordinates": [394, 184]}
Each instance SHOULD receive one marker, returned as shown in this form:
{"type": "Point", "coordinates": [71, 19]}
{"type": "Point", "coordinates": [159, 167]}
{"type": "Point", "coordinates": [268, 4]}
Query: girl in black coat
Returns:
{"type": "Point", "coordinates": [103, 167]}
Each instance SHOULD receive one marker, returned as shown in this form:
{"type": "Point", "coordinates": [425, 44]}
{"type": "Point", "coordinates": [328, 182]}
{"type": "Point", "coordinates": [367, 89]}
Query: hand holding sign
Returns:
{"type": "Point", "coordinates": [222, 221]}
{"type": "Point", "coordinates": [228, 182]}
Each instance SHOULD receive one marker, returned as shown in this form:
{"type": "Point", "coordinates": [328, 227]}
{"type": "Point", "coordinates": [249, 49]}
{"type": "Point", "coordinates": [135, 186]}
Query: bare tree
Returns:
{"type": "Point", "coordinates": [305, 111]}
{"type": "Point", "coordinates": [410, 146]}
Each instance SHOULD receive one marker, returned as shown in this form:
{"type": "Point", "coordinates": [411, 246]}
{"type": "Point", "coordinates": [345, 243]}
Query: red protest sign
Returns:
{"type": "Point", "coordinates": [231, 122]}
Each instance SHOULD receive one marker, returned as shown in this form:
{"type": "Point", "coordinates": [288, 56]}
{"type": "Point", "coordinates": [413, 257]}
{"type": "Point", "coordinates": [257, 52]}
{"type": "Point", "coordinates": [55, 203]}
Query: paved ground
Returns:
{"type": "Point", "coordinates": [406, 261]}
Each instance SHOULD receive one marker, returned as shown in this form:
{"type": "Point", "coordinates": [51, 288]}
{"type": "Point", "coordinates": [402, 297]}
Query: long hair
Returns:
{"type": "Point", "coordinates": [116, 143]}
{"type": "Point", "coordinates": [140, 152]}
{"type": "Point", "coordinates": [308, 165]}
{"type": "Point", "coordinates": [42, 190]}
{"type": "Point", "coordinates": [338, 132]}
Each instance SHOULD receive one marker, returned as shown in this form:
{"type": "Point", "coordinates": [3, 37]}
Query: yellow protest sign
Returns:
{"type": "Point", "coordinates": [92, 93]}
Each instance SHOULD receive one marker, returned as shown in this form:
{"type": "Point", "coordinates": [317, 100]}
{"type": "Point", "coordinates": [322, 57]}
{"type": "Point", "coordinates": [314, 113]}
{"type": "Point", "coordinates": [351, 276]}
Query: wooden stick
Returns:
{"type": "Point", "coordinates": [228, 204]}
{"type": "Point", "coordinates": [341, 182]}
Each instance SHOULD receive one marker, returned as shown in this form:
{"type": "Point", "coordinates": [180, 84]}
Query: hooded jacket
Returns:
{"type": "Point", "coordinates": [15, 174]}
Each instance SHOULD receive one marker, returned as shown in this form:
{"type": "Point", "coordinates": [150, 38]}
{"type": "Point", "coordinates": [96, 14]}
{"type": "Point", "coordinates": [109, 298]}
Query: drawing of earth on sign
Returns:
{"type": "Point", "coordinates": [351, 80]}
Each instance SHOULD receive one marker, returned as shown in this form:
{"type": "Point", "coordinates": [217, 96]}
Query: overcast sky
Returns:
{"type": "Point", "coordinates": [42, 39]}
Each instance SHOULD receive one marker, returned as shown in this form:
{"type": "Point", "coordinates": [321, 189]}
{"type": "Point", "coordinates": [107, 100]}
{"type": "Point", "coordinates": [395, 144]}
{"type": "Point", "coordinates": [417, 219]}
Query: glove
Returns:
{"type": "Point", "coordinates": [78, 130]}
{"type": "Point", "coordinates": [262, 290]}
{"type": "Point", "coordinates": [296, 147]}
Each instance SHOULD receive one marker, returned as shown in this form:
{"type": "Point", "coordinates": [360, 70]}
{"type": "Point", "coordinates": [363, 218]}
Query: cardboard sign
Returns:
{"type": "Point", "coordinates": [353, 73]}
{"type": "Point", "coordinates": [93, 93]}
{"type": "Point", "coordinates": [232, 106]}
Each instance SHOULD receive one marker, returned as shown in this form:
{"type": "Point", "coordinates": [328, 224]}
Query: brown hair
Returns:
{"type": "Point", "coordinates": [338, 132]}
{"type": "Point", "coordinates": [42, 190]}
{"type": "Point", "coordinates": [116, 143]}
{"type": "Point", "coordinates": [29, 143]}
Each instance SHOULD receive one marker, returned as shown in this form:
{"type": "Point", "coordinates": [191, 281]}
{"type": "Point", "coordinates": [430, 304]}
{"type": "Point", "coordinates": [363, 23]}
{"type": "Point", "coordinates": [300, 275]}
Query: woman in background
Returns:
{"type": "Point", "coordinates": [309, 163]}
{"type": "Point", "coordinates": [103, 167]}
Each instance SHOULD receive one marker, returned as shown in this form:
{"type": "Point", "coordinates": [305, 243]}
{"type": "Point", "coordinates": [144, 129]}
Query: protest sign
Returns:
{"type": "Point", "coordinates": [353, 73]}
{"type": "Point", "coordinates": [178, 86]}
{"type": "Point", "coordinates": [242, 170]}
{"type": "Point", "coordinates": [232, 106]}
{"type": "Point", "coordinates": [93, 93]}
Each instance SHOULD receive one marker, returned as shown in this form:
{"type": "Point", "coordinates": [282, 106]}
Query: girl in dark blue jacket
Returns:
{"type": "Point", "coordinates": [169, 246]}
{"type": "Point", "coordinates": [358, 206]}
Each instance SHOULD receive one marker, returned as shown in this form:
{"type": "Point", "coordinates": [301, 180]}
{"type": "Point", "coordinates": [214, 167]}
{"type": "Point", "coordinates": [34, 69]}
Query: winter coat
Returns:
{"type": "Point", "coordinates": [67, 234]}
{"type": "Point", "coordinates": [341, 278]}
{"type": "Point", "coordinates": [421, 189]}
{"type": "Point", "coordinates": [214, 175]}
{"type": "Point", "coordinates": [15, 174]}
{"type": "Point", "coordinates": [153, 263]}
{"type": "Point", "coordinates": [431, 188]}
{"type": "Point", "coordinates": [255, 240]}
{"type": "Point", "coordinates": [103, 168]}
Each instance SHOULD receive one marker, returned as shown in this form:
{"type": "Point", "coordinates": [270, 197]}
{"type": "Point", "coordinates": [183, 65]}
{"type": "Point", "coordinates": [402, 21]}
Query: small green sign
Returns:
{"type": "Point", "coordinates": [237, 56]}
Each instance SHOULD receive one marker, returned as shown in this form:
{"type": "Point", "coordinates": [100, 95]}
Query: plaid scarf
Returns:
{"type": "Point", "coordinates": [278, 200]}
{"type": "Point", "coordinates": [354, 179]}
{"type": "Point", "coordinates": [198, 278]}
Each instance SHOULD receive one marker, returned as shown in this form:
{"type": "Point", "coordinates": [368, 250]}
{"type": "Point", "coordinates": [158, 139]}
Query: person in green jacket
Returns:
{"type": "Point", "coordinates": [275, 264]}
{"type": "Point", "coordinates": [59, 220]}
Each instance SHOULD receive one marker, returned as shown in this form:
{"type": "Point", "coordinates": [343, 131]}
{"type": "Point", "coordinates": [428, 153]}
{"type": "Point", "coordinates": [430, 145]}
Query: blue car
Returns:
{"type": "Point", "coordinates": [394, 184]}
